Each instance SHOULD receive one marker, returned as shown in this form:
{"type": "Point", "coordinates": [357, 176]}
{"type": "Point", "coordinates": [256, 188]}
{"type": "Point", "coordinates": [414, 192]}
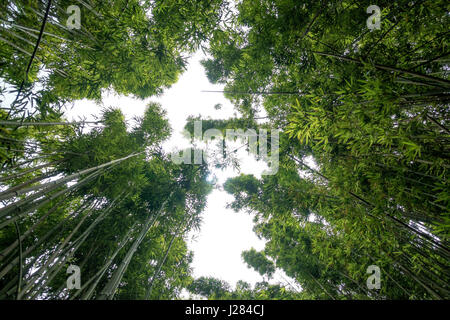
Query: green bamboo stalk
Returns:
{"type": "Point", "coordinates": [388, 68]}
{"type": "Point", "coordinates": [18, 189]}
{"type": "Point", "coordinates": [109, 290]}
{"type": "Point", "coordinates": [97, 277]}
{"type": "Point", "coordinates": [38, 204]}
{"type": "Point", "coordinates": [11, 264]}
{"type": "Point", "coordinates": [19, 174]}
{"type": "Point", "coordinates": [41, 270]}
{"type": "Point", "coordinates": [54, 184]}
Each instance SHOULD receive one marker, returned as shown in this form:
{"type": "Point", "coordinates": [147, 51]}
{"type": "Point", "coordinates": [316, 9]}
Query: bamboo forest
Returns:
{"type": "Point", "coordinates": [349, 101]}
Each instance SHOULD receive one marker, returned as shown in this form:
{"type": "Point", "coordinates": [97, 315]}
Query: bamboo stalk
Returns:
{"type": "Point", "coordinates": [109, 290]}
{"type": "Point", "coordinates": [8, 250]}
{"type": "Point", "coordinates": [33, 55]}
{"type": "Point", "coordinates": [41, 270]}
{"type": "Point", "coordinates": [17, 175]}
{"type": "Point", "coordinates": [160, 265]}
{"type": "Point", "coordinates": [18, 189]}
{"type": "Point", "coordinates": [54, 184]}
{"type": "Point", "coordinates": [388, 68]}
{"type": "Point", "coordinates": [86, 295]}
{"type": "Point", "coordinates": [19, 281]}
{"type": "Point", "coordinates": [38, 204]}
{"type": "Point", "coordinates": [11, 264]}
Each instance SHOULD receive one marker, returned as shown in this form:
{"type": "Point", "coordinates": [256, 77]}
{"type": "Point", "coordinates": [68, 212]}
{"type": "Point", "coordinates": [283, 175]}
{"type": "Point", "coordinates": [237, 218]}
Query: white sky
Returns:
{"type": "Point", "coordinates": [224, 233]}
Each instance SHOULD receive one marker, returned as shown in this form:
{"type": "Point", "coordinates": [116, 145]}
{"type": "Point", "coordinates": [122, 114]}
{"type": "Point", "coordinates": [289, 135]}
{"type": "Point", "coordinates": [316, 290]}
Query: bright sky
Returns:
{"type": "Point", "coordinates": [224, 233]}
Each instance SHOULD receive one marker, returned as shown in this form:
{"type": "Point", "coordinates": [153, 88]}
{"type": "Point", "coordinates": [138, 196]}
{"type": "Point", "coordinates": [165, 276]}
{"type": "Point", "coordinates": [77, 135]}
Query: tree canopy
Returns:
{"type": "Point", "coordinates": [364, 147]}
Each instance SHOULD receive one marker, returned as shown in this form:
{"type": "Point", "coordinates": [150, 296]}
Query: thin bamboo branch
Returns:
{"type": "Point", "coordinates": [19, 281]}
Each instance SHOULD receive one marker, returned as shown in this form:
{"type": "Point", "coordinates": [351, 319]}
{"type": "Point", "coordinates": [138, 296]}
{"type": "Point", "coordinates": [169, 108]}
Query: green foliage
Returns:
{"type": "Point", "coordinates": [215, 289]}
{"type": "Point", "coordinates": [364, 147]}
{"type": "Point", "coordinates": [118, 180]}
{"type": "Point", "coordinates": [370, 109]}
